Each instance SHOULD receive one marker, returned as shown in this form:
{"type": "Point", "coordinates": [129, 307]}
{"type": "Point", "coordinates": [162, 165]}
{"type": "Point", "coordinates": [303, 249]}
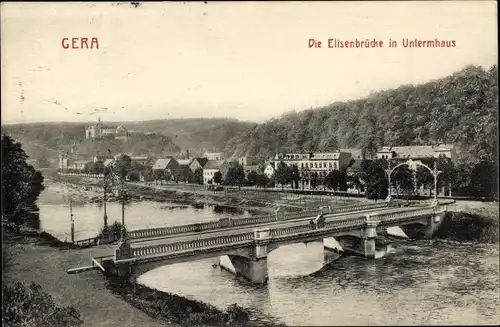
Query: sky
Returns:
{"type": "Point", "coordinates": [249, 61]}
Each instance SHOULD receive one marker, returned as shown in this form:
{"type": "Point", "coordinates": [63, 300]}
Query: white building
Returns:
{"type": "Point", "coordinates": [211, 167]}
{"type": "Point", "coordinates": [320, 162]}
{"type": "Point", "coordinates": [269, 170]}
{"type": "Point", "coordinates": [100, 130]}
{"type": "Point", "coordinates": [416, 152]}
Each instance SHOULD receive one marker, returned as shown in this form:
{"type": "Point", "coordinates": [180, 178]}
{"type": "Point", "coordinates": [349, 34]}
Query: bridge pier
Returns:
{"type": "Point", "coordinates": [433, 223]}
{"type": "Point", "coordinates": [253, 268]}
{"type": "Point", "coordinates": [123, 251]}
{"type": "Point", "coordinates": [364, 242]}
{"type": "Point", "coordinates": [332, 250]}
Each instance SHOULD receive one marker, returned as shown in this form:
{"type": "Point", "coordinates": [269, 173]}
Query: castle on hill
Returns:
{"type": "Point", "coordinates": [100, 130]}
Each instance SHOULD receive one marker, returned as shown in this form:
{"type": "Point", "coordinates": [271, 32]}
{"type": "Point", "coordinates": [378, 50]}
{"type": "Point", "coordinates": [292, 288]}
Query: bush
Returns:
{"type": "Point", "coordinates": [115, 228]}
{"type": "Point", "coordinates": [33, 307]}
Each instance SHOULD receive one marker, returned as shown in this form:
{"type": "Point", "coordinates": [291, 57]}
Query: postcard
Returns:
{"type": "Point", "coordinates": [212, 163]}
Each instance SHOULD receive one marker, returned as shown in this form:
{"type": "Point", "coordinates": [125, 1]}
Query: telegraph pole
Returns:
{"type": "Point", "coordinates": [105, 181]}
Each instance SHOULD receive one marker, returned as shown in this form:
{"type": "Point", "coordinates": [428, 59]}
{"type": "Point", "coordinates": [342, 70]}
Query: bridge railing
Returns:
{"type": "Point", "coordinates": [88, 242]}
{"type": "Point", "coordinates": [190, 245]}
{"type": "Point", "coordinates": [357, 222]}
{"type": "Point", "coordinates": [390, 217]}
{"type": "Point", "coordinates": [243, 237]}
{"type": "Point", "coordinates": [224, 223]}
{"type": "Point", "coordinates": [359, 207]}
{"type": "Point", "coordinates": [301, 214]}
{"type": "Point", "coordinates": [82, 175]}
{"type": "Point", "coordinates": [254, 220]}
{"type": "Point", "coordinates": [308, 227]}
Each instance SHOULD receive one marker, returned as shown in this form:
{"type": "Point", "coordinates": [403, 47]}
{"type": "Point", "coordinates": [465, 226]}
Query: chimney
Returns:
{"type": "Point", "coordinates": [187, 154]}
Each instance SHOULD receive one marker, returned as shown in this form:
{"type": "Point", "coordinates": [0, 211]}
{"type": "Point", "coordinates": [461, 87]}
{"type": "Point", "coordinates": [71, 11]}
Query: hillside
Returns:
{"type": "Point", "coordinates": [152, 144]}
{"type": "Point", "coordinates": [460, 109]}
{"type": "Point", "coordinates": [197, 135]}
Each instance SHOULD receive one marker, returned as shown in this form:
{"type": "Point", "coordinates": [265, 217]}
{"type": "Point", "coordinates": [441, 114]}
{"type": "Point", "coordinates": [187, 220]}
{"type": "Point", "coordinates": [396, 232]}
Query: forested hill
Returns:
{"type": "Point", "coordinates": [163, 137]}
{"type": "Point", "coordinates": [195, 134]}
{"type": "Point", "coordinates": [460, 109]}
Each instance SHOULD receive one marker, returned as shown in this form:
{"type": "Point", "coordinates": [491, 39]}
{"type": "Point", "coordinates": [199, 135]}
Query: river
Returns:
{"type": "Point", "coordinates": [417, 282]}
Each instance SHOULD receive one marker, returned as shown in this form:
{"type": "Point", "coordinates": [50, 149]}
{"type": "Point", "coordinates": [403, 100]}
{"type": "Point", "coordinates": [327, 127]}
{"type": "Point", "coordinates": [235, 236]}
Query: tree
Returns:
{"type": "Point", "coordinates": [235, 174]}
{"type": "Point", "coordinates": [217, 177]}
{"type": "Point", "coordinates": [402, 179]}
{"type": "Point", "coordinates": [262, 180]}
{"type": "Point", "coordinates": [252, 177]}
{"type": "Point", "coordinates": [377, 190]}
{"type": "Point", "coordinates": [484, 179]}
{"type": "Point", "coordinates": [158, 175]}
{"type": "Point", "coordinates": [21, 184]}
{"type": "Point", "coordinates": [314, 179]}
{"type": "Point", "coordinates": [198, 175]}
{"type": "Point", "coordinates": [134, 176]}
{"type": "Point", "coordinates": [332, 180]}
{"type": "Point", "coordinates": [94, 167]}
{"type": "Point", "coordinates": [122, 166]}
{"type": "Point", "coordinates": [373, 175]}
{"type": "Point", "coordinates": [282, 174]}
{"type": "Point", "coordinates": [294, 176]}
{"type": "Point", "coordinates": [186, 174]}
{"type": "Point", "coordinates": [352, 180]}
{"type": "Point", "coordinates": [425, 179]}
{"type": "Point", "coordinates": [343, 181]}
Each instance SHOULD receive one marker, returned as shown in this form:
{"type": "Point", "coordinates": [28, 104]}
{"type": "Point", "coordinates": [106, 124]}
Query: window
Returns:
{"type": "Point", "coordinates": [334, 165]}
{"type": "Point", "coordinates": [329, 165]}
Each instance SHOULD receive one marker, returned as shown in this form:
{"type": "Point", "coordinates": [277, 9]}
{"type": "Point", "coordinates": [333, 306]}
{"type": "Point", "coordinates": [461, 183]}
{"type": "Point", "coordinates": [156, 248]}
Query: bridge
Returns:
{"type": "Point", "coordinates": [244, 246]}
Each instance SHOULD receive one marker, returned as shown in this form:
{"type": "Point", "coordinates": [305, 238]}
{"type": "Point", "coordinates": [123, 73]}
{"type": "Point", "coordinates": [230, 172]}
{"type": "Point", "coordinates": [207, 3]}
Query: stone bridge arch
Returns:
{"type": "Point", "coordinates": [135, 270]}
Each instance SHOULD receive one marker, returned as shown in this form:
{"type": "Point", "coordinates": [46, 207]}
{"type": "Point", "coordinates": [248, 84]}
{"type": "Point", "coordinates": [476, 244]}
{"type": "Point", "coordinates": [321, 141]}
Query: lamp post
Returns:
{"type": "Point", "coordinates": [435, 172]}
{"type": "Point", "coordinates": [389, 171]}
{"type": "Point", "coordinates": [123, 232]}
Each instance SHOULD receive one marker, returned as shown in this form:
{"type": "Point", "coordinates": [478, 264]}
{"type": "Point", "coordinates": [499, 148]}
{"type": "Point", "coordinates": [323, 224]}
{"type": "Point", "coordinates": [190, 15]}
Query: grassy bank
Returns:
{"type": "Point", "coordinates": [37, 259]}
{"type": "Point", "coordinates": [477, 224]}
{"type": "Point", "coordinates": [100, 301]}
{"type": "Point", "coordinates": [173, 308]}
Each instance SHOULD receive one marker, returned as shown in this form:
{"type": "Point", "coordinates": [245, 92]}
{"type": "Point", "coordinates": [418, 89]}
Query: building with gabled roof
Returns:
{"type": "Point", "coordinates": [213, 166]}
{"type": "Point", "coordinates": [416, 152]}
{"type": "Point", "coordinates": [165, 163]}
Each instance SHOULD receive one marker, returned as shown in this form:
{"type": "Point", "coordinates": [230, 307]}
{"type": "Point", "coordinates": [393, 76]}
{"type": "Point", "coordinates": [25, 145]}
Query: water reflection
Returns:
{"type": "Point", "coordinates": [415, 283]}
{"type": "Point", "coordinates": [89, 217]}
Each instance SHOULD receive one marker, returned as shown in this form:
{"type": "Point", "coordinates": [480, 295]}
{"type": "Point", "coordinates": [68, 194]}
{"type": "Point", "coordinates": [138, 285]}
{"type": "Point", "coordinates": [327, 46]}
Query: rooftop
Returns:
{"type": "Point", "coordinates": [162, 163]}
{"type": "Point", "coordinates": [184, 162]}
{"type": "Point", "coordinates": [355, 153]}
{"type": "Point", "coordinates": [214, 164]}
{"type": "Point", "coordinates": [416, 151]}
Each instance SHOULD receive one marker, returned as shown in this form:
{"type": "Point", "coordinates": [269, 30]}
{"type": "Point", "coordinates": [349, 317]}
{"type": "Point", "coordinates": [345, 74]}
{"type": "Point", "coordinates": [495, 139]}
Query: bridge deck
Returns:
{"type": "Point", "coordinates": [246, 229]}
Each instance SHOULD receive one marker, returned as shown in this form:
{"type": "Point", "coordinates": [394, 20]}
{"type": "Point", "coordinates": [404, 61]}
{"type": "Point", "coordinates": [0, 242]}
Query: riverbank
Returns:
{"type": "Point", "coordinates": [100, 301]}
{"type": "Point", "coordinates": [252, 200]}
